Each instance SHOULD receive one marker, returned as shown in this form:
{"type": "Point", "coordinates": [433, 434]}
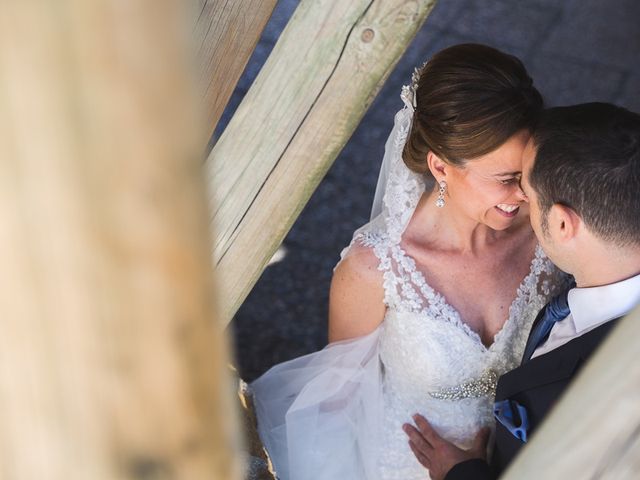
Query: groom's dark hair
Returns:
{"type": "Point", "coordinates": [588, 158]}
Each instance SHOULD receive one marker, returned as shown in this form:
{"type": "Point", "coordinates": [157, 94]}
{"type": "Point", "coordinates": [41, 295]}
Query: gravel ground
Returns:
{"type": "Point", "coordinates": [576, 51]}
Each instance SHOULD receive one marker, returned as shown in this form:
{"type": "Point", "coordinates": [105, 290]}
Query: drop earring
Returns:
{"type": "Point", "coordinates": [443, 188]}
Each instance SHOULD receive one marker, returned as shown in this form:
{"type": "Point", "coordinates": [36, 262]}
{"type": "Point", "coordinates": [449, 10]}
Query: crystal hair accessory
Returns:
{"type": "Point", "coordinates": [408, 93]}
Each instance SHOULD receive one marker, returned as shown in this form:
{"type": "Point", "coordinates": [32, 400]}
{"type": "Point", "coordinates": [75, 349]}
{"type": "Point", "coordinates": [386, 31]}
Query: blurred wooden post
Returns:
{"type": "Point", "coordinates": [226, 35]}
{"type": "Point", "coordinates": [594, 431]}
{"type": "Point", "coordinates": [328, 65]}
{"type": "Point", "coordinates": [111, 365]}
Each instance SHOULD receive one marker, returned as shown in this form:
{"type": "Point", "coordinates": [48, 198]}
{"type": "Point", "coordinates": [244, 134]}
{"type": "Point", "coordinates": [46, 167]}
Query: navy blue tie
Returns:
{"type": "Point", "coordinates": [557, 309]}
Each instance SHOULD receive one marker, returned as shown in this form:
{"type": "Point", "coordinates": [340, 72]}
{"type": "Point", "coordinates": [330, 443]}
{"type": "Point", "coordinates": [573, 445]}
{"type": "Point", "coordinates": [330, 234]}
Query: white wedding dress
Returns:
{"type": "Point", "coordinates": [337, 414]}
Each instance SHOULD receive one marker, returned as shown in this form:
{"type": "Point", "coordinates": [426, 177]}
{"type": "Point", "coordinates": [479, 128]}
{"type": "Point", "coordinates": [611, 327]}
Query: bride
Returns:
{"type": "Point", "coordinates": [434, 297]}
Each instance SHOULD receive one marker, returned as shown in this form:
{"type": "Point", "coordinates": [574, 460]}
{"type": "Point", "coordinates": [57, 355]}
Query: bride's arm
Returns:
{"type": "Point", "coordinates": [356, 298]}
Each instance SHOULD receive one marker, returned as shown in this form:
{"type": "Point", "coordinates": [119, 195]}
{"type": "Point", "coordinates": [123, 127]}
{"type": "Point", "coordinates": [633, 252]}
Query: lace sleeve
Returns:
{"type": "Point", "coordinates": [374, 245]}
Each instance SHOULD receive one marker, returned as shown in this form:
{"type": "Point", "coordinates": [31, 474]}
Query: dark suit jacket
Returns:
{"type": "Point", "coordinates": [536, 385]}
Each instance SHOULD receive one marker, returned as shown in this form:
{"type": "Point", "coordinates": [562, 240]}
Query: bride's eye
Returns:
{"type": "Point", "coordinates": [509, 181]}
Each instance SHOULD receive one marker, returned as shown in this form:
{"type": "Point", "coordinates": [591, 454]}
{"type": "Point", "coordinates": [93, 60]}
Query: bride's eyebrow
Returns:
{"type": "Point", "coordinates": [508, 174]}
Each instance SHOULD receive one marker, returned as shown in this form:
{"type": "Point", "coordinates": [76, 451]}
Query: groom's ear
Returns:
{"type": "Point", "coordinates": [437, 166]}
{"type": "Point", "coordinates": [564, 223]}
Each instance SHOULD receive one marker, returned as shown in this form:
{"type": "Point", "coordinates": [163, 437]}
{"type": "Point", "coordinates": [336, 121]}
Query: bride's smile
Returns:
{"type": "Point", "coordinates": [509, 211]}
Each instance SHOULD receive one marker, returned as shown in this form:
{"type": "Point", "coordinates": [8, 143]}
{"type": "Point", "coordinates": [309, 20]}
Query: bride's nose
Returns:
{"type": "Point", "coordinates": [521, 195]}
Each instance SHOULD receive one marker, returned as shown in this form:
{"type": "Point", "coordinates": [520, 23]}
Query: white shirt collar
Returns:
{"type": "Point", "coordinates": [595, 305]}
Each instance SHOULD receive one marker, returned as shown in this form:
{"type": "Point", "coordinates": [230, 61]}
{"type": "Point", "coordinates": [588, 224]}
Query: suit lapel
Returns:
{"type": "Point", "coordinates": [554, 366]}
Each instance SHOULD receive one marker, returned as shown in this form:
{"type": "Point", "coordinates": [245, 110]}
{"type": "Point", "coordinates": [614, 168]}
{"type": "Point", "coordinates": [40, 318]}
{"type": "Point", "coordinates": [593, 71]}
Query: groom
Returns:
{"type": "Point", "coordinates": [581, 173]}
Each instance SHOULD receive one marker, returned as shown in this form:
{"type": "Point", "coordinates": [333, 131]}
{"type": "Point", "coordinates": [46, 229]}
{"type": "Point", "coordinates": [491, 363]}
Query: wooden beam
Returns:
{"type": "Point", "coordinates": [321, 77]}
{"type": "Point", "coordinates": [111, 366]}
{"type": "Point", "coordinates": [594, 431]}
{"type": "Point", "coordinates": [226, 34]}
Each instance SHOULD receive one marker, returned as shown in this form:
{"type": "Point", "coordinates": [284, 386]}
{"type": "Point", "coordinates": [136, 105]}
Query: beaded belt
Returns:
{"type": "Point", "coordinates": [481, 387]}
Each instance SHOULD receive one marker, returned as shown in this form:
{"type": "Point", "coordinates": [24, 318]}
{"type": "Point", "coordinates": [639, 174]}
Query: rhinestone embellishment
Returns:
{"type": "Point", "coordinates": [442, 187]}
{"type": "Point", "coordinates": [481, 387]}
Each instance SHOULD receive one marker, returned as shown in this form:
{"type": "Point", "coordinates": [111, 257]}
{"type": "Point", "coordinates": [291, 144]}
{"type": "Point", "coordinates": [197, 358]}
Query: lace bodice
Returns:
{"type": "Point", "coordinates": [433, 363]}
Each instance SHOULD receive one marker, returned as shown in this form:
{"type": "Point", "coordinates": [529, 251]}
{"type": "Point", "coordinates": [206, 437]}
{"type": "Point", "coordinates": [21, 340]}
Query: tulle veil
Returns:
{"type": "Point", "coordinates": [319, 416]}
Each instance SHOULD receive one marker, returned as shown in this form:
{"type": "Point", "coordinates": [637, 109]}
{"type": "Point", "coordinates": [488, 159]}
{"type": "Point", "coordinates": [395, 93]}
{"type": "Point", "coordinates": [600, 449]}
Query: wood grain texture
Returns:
{"type": "Point", "coordinates": [111, 363]}
{"type": "Point", "coordinates": [594, 431]}
{"type": "Point", "coordinates": [226, 34]}
{"type": "Point", "coordinates": [325, 70]}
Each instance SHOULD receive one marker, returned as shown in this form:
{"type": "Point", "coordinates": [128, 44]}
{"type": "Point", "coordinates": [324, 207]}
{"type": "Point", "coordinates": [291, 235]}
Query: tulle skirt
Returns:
{"type": "Point", "coordinates": [320, 416]}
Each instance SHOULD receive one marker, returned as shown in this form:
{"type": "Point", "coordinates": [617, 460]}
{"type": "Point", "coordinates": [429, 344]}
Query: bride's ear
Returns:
{"type": "Point", "coordinates": [437, 166]}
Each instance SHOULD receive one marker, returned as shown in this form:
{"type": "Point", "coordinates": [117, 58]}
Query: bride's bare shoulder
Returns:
{"type": "Point", "coordinates": [356, 298]}
{"type": "Point", "coordinates": [360, 258]}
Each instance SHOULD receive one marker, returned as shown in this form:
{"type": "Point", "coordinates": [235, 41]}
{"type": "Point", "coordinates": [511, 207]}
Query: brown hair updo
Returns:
{"type": "Point", "coordinates": [470, 99]}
